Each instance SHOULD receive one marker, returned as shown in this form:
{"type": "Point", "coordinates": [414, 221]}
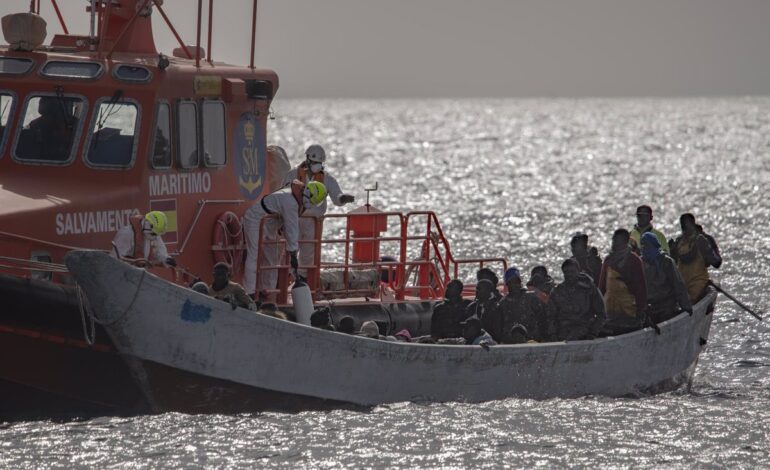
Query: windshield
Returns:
{"type": "Point", "coordinates": [49, 127]}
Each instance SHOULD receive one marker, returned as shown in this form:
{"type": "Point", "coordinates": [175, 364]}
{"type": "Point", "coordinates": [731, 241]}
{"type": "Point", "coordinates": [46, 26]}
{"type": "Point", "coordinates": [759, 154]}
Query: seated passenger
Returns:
{"type": "Point", "coordinates": [271, 310]}
{"type": "Point", "coordinates": [537, 284]}
{"type": "Point", "coordinates": [403, 336]}
{"type": "Point", "coordinates": [484, 307]}
{"type": "Point", "coordinates": [486, 273]}
{"type": "Point", "coordinates": [200, 287]}
{"type": "Point", "coordinates": [547, 282]}
{"type": "Point", "coordinates": [474, 334]}
{"type": "Point", "coordinates": [224, 289]}
{"type": "Point", "coordinates": [587, 257]}
{"type": "Point", "coordinates": [623, 286]}
{"type": "Point", "coordinates": [694, 251]}
{"type": "Point", "coordinates": [665, 288]}
{"type": "Point", "coordinates": [520, 307]}
{"type": "Point", "coordinates": [518, 335]}
{"type": "Point", "coordinates": [346, 325]}
{"type": "Point", "coordinates": [577, 308]}
{"type": "Point", "coordinates": [447, 314]}
{"type": "Point", "coordinates": [321, 318]}
{"type": "Point", "coordinates": [370, 330]}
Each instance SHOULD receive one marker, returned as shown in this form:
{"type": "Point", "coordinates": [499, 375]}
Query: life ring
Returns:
{"type": "Point", "coordinates": [228, 241]}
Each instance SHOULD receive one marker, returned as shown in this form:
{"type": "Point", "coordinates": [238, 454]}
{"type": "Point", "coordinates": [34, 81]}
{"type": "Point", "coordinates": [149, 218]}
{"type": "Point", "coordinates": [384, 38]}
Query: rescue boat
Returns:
{"type": "Point", "coordinates": [224, 360]}
{"type": "Point", "coordinates": [98, 127]}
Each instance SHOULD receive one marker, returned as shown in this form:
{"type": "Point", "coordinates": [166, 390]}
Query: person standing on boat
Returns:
{"type": "Point", "coordinates": [587, 257]}
{"type": "Point", "coordinates": [576, 306]}
{"type": "Point", "coordinates": [312, 169]}
{"type": "Point", "coordinates": [142, 239]}
{"type": "Point", "coordinates": [623, 285]}
{"type": "Point", "coordinates": [288, 203]}
{"type": "Point", "coordinates": [644, 225]}
{"type": "Point", "coordinates": [447, 315]}
{"type": "Point", "coordinates": [224, 289]}
{"type": "Point", "coordinates": [665, 288]}
{"type": "Point", "coordinates": [484, 307]}
{"type": "Point", "coordinates": [523, 308]}
{"type": "Point", "coordinates": [694, 251]}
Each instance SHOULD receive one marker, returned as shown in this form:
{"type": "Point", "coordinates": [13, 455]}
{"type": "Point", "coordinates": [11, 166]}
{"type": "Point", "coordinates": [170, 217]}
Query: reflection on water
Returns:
{"type": "Point", "coordinates": [510, 178]}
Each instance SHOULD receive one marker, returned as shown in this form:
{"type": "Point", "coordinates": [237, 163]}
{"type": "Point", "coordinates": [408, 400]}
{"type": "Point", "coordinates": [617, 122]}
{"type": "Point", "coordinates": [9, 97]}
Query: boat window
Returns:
{"type": "Point", "coordinates": [50, 126]}
{"type": "Point", "coordinates": [14, 66]}
{"type": "Point", "coordinates": [6, 108]}
{"type": "Point", "coordinates": [161, 147]}
{"type": "Point", "coordinates": [113, 133]}
{"type": "Point", "coordinates": [60, 69]}
{"type": "Point", "coordinates": [214, 133]}
{"type": "Point", "coordinates": [132, 73]}
{"type": "Point", "coordinates": [188, 134]}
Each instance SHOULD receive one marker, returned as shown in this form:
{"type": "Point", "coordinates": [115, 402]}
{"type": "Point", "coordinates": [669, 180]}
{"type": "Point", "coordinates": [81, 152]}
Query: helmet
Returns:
{"type": "Point", "coordinates": [315, 153]}
{"type": "Point", "coordinates": [316, 191]}
{"type": "Point", "coordinates": [158, 222]}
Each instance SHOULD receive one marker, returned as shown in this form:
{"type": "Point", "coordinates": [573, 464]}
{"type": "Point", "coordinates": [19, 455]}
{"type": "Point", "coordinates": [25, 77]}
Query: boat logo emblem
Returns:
{"type": "Point", "coordinates": [249, 156]}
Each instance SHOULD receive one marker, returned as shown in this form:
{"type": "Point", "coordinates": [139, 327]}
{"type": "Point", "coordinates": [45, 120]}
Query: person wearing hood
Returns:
{"type": "Point", "coordinates": [586, 256]}
{"type": "Point", "coordinates": [288, 204]}
{"type": "Point", "coordinates": [447, 314]}
{"type": "Point", "coordinates": [694, 252]}
{"type": "Point", "coordinates": [665, 288]}
{"type": "Point", "coordinates": [576, 306]}
{"type": "Point", "coordinates": [623, 285]}
{"type": "Point", "coordinates": [313, 169]}
{"type": "Point", "coordinates": [521, 307]}
{"type": "Point", "coordinates": [484, 307]}
{"type": "Point", "coordinates": [644, 225]}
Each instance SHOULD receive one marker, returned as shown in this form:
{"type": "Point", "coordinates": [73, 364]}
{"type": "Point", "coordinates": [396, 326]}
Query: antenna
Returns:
{"type": "Point", "coordinates": [369, 190]}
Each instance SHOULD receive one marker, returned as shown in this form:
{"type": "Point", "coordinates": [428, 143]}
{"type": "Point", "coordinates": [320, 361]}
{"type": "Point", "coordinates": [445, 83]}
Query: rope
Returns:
{"type": "Point", "coordinates": [125, 312]}
{"type": "Point", "coordinates": [83, 306]}
{"type": "Point", "coordinates": [32, 265]}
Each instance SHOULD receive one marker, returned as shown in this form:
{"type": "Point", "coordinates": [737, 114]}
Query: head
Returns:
{"type": "Point", "coordinates": [370, 329]}
{"type": "Point", "coordinates": [486, 273]}
{"type": "Point", "coordinates": [542, 270]}
{"type": "Point", "coordinates": [518, 334]}
{"type": "Point", "coordinates": [314, 194]}
{"type": "Point", "coordinates": [512, 278]}
{"type": "Point", "coordinates": [537, 281]}
{"type": "Point", "coordinates": [320, 318]}
{"type": "Point", "coordinates": [620, 239]}
{"type": "Point", "coordinates": [155, 223]}
{"type": "Point", "coordinates": [454, 290]}
{"type": "Point", "coordinates": [571, 270]}
{"type": "Point", "coordinates": [221, 273]}
{"type": "Point", "coordinates": [484, 289]}
{"type": "Point", "coordinates": [315, 157]}
{"type": "Point", "coordinates": [579, 244]}
{"type": "Point", "coordinates": [201, 288]}
{"type": "Point", "coordinates": [268, 307]}
{"type": "Point", "coordinates": [650, 246]}
{"type": "Point", "coordinates": [687, 222]}
{"type": "Point", "coordinates": [471, 328]}
{"type": "Point", "coordinates": [347, 325]}
{"type": "Point", "coordinates": [643, 216]}
{"type": "Point", "coordinates": [404, 335]}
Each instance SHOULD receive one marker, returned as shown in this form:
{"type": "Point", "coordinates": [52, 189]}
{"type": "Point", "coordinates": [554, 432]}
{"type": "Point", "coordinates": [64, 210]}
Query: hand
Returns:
{"type": "Point", "coordinates": [171, 261]}
{"type": "Point", "coordinates": [347, 198]}
{"type": "Point", "coordinates": [294, 261]}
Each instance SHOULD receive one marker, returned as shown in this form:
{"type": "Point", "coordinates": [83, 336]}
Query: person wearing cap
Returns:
{"type": "Point", "coordinates": [666, 291]}
{"type": "Point", "coordinates": [694, 251]}
{"type": "Point", "coordinates": [142, 240]}
{"type": "Point", "coordinates": [370, 329]}
{"type": "Point", "coordinates": [447, 314]}
{"type": "Point", "coordinates": [576, 306]}
{"type": "Point", "coordinates": [223, 288]}
{"type": "Point", "coordinates": [587, 257]}
{"type": "Point", "coordinates": [623, 285]}
{"type": "Point", "coordinates": [486, 273]}
{"type": "Point", "coordinates": [287, 204]}
{"type": "Point", "coordinates": [484, 307]}
{"type": "Point", "coordinates": [644, 225]}
{"type": "Point", "coordinates": [474, 333]}
{"type": "Point", "coordinates": [313, 169]}
{"type": "Point", "coordinates": [521, 307]}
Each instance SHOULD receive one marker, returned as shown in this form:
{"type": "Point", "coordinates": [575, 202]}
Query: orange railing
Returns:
{"type": "Point", "coordinates": [425, 276]}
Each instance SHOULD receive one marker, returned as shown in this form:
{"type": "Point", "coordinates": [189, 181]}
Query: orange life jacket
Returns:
{"type": "Point", "coordinates": [302, 172]}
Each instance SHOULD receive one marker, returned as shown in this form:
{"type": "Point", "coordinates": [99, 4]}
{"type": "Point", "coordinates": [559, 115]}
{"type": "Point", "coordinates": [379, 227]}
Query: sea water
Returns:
{"type": "Point", "coordinates": [512, 178]}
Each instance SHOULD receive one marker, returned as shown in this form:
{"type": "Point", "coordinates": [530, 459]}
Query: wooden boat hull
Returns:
{"type": "Point", "coordinates": [162, 327]}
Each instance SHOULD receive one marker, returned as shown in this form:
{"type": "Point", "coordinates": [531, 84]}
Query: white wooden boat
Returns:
{"type": "Point", "coordinates": [192, 352]}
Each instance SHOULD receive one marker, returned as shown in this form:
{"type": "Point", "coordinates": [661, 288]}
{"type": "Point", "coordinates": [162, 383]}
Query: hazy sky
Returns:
{"type": "Point", "coordinates": [460, 48]}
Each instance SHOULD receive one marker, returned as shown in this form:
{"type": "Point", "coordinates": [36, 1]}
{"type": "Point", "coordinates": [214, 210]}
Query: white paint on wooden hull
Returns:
{"type": "Point", "coordinates": [151, 319]}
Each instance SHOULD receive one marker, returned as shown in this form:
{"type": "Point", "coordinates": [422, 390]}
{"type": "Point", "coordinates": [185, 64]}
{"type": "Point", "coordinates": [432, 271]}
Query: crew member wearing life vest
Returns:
{"type": "Point", "coordinates": [312, 169]}
{"type": "Point", "coordinates": [694, 251]}
{"type": "Point", "coordinates": [644, 225]}
{"type": "Point", "coordinates": [141, 238]}
{"type": "Point", "coordinates": [623, 286]}
{"type": "Point", "coordinates": [289, 203]}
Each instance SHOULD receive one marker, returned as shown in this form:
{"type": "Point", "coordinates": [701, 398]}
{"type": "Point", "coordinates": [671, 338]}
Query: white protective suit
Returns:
{"type": "Point", "coordinates": [123, 245]}
{"type": "Point", "coordinates": [284, 204]}
{"type": "Point", "coordinates": [306, 224]}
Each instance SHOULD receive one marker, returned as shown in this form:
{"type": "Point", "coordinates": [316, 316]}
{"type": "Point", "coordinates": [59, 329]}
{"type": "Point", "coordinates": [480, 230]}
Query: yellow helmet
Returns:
{"type": "Point", "coordinates": [158, 222]}
{"type": "Point", "coordinates": [316, 191]}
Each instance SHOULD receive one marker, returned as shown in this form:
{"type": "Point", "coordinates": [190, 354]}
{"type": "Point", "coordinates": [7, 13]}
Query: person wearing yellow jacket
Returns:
{"type": "Point", "coordinates": [644, 225]}
{"type": "Point", "coordinates": [694, 251]}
